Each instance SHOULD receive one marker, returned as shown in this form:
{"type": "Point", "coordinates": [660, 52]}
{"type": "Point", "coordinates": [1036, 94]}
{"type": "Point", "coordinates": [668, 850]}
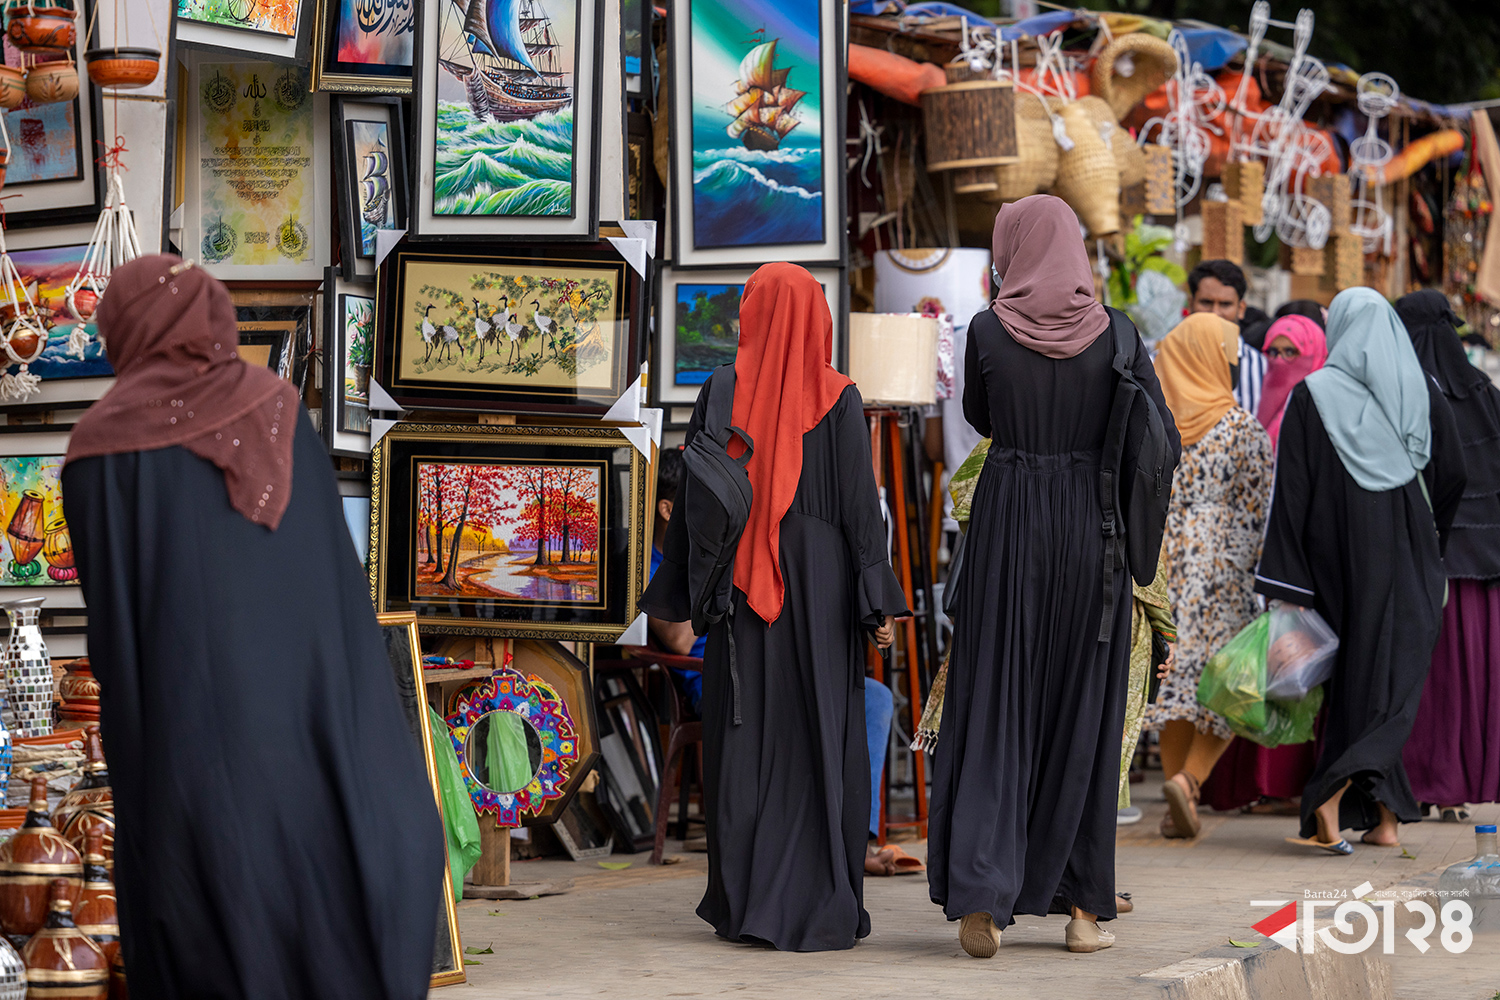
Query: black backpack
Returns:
{"type": "Point", "coordinates": [1135, 486]}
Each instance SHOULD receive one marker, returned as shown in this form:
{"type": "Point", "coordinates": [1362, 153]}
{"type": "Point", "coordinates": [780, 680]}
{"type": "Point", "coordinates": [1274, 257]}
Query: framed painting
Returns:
{"type": "Point", "coordinates": [36, 550]}
{"type": "Point", "coordinates": [542, 328]}
{"type": "Point", "coordinates": [369, 151]}
{"type": "Point", "coordinates": [635, 35]}
{"type": "Point", "coordinates": [698, 325]}
{"type": "Point", "coordinates": [45, 274]}
{"type": "Point", "coordinates": [257, 177]}
{"type": "Point", "coordinates": [348, 352]}
{"type": "Point", "coordinates": [52, 176]}
{"type": "Point", "coordinates": [506, 105]}
{"type": "Point", "coordinates": [631, 764]}
{"type": "Point", "coordinates": [404, 648]}
{"type": "Point", "coordinates": [758, 132]}
{"type": "Point", "coordinates": [276, 329]}
{"type": "Point", "coordinates": [364, 48]}
{"type": "Point", "coordinates": [270, 29]}
{"type": "Point", "coordinates": [539, 532]}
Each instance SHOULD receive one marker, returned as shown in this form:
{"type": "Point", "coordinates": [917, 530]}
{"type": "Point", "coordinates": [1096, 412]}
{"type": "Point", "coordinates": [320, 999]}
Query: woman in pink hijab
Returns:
{"type": "Point", "coordinates": [1296, 348]}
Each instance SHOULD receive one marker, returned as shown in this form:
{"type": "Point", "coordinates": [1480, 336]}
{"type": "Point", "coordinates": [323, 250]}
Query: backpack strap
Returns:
{"type": "Point", "coordinates": [1111, 467]}
{"type": "Point", "coordinates": [718, 417]}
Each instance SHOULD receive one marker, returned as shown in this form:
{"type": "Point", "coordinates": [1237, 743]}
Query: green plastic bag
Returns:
{"type": "Point", "coordinates": [1286, 721]}
{"type": "Point", "coordinates": [1233, 683]}
{"type": "Point", "coordinates": [460, 822]}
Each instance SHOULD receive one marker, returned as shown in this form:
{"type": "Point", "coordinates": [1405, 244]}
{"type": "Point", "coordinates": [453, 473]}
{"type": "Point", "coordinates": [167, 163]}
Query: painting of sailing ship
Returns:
{"type": "Point", "coordinates": [370, 152]}
{"type": "Point", "coordinates": [505, 107]}
{"type": "Point", "coordinates": [756, 122]}
{"type": "Point", "coordinates": [512, 531]}
{"type": "Point", "coordinates": [276, 17]}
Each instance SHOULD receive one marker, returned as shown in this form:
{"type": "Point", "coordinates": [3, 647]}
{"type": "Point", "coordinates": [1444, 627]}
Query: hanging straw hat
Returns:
{"type": "Point", "coordinates": [1129, 68]}
{"type": "Point", "coordinates": [1087, 177]}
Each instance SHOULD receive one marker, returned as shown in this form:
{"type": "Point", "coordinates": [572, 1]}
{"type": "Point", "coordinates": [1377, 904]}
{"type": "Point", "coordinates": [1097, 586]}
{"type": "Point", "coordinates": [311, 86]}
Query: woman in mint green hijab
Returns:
{"type": "Point", "coordinates": [1369, 473]}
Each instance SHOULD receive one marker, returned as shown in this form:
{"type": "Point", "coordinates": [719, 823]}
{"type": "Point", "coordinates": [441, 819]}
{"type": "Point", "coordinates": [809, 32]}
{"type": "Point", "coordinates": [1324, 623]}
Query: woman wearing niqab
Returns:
{"type": "Point", "coordinates": [1369, 473]}
{"type": "Point", "coordinates": [276, 833]}
{"type": "Point", "coordinates": [786, 764]}
{"type": "Point", "coordinates": [1026, 772]}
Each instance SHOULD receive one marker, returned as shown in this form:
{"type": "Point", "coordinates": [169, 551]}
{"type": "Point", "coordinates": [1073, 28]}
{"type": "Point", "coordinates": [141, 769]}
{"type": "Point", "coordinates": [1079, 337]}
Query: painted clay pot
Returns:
{"type": "Point", "coordinates": [96, 914]}
{"type": "Point", "coordinates": [61, 960]}
{"type": "Point", "coordinates": [78, 697]}
{"type": "Point", "coordinates": [30, 864]}
{"type": "Point", "coordinates": [90, 806]}
{"type": "Point", "coordinates": [12, 87]}
{"type": "Point", "coordinates": [123, 68]}
{"type": "Point", "coordinates": [52, 83]}
{"type": "Point", "coordinates": [42, 29]}
{"type": "Point", "coordinates": [58, 551]}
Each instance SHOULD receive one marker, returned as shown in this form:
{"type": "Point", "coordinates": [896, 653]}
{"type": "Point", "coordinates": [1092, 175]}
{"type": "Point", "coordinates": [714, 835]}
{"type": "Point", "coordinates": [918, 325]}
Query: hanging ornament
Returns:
{"type": "Point", "coordinates": [117, 66]}
{"type": "Point", "coordinates": [52, 82]}
{"type": "Point", "coordinates": [41, 29]}
{"type": "Point", "coordinates": [114, 242]}
{"type": "Point", "coordinates": [25, 336]}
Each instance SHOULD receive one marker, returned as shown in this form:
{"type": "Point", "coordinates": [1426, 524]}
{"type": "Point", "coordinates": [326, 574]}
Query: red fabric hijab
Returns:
{"type": "Point", "coordinates": [784, 385]}
{"type": "Point", "coordinates": [169, 329]}
{"type": "Point", "coordinates": [1283, 374]}
{"type": "Point", "coordinates": [1046, 297]}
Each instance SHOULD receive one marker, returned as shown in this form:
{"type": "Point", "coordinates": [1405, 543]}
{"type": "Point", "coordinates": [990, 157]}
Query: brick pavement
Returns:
{"type": "Point", "coordinates": [633, 933]}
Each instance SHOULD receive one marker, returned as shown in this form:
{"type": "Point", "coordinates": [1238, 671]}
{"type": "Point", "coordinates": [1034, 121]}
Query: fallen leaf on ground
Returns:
{"type": "Point", "coordinates": [488, 950]}
{"type": "Point", "coordinates": [1244, 944]}
{"type": "Point", "coordinates": [615, 866]}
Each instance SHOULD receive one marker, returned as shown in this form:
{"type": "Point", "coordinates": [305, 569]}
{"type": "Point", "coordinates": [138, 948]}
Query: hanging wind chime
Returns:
{"type": "Point", "coordinates": [25, 336]}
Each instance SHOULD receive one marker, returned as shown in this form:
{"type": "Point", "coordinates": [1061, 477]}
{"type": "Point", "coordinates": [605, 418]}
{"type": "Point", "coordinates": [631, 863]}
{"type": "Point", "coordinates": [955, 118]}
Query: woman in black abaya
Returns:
{"type": "Point", "coordinates": [1369, 473]}
{"type": "Point", "coordinates": [786, 767]}
{"type": "Point", "coordinates": [1027, 769]}
{"type": "Point", "coordinates": [277, 837]}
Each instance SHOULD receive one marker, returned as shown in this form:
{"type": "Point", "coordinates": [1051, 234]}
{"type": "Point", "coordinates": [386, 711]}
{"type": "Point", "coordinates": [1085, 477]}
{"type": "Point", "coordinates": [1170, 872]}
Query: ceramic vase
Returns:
{"type": "Point", "coordinates": [12, 973]}
{"type": "Point", "coordinates": [28, 672]}
{"type": "Point", "coordinates": [61, 960]}
{"type": "Point", "coordinates": [78, 694]}
{"type": "Point", "coordinates": [118, 990]}
{"type": "Point", "coordinates": [96, 914]}
{"type": "Point", "coordinates": [90, 806]}
{"type": "Point", "coordinates": [29, 863]}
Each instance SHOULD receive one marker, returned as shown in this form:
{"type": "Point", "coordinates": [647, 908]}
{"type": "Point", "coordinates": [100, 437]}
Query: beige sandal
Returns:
{"type": "Point", "coordinates": [1182, 805]}
{"type": "Point", "coordinates": [1085, 937]}
{"type": "Point", "coordinates": [979, 935]}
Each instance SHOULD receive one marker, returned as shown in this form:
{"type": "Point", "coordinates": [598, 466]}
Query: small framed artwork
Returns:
{"type": "Point", "coordinates": [36, 548]}
{"type": "Point", "coordinates": [757, 122]}
{"type": "Point", "coordinates": [698, 325]}
{"type": "Point", "coordinates": [268, 343]}
{"type": "Point", "coordinates": [256, 174]}
{"type": "Point", "coordinates": [363, 48]}
{"type": "Point", "coordinates": [270, 29]}
{"type": "Point", "coordinates": [404, 648]}
{"type": "Point", "coordinates": [583, 829]}
{"type": "Point", "coordinates": [506, 102]}
{"type": "Point", "coordinates": [71, 370]}
{"type": "Point", "coordinates": [369, 148]}
{"type": "Point", "coordinates": [526, 329]}
{"type": "Point", "coordinates": [539, 532]}
{"type": "Point", "coordinates": [635, 25]}
{"type": "Point", "coordinates": [348, 352]}
{"type": "Point", "coordinates": [276, 329]}
{"type": "Point", "coordinates": [53, 176]}
{"type": "Point", "coordinates": [640, 172]}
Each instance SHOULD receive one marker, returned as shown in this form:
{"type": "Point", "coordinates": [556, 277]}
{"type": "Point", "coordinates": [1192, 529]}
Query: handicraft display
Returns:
{"type": "Point", "coordinates": [369, 142]}
{"type": "Point", "coordinates": [530, 329]}
{"type": "Point", "coordinates": [28, 860]}
{"type": "Point", "coordinates": [757, 132]}
{"type": "Point", "coordinates": [364, 46]}
{"type": "Point", "coordinates": [36, 549]}
{"type": "Point", "coordinates": [507, 119]}
{"type": "Point", "coordinates": [348, 352]}
{"type": "Point", "coordinates": [530, 531]}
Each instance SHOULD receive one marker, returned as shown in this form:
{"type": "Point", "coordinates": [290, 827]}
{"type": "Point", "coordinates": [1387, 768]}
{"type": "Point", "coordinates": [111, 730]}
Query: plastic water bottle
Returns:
{"type": "Point", "coordinates": [1477, 880]}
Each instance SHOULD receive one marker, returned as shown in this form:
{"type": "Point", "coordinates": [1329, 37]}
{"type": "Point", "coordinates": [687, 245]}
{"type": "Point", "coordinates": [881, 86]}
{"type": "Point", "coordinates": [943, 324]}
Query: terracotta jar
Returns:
{"type": "Point", "coordinates": [29, 863]}
{"type": "Point", "coordinates": [78, 693]}
{"type": "Point", "coordinates": [42, 29]}
{"type": "Point", "coordinates": [12, 87]}
{"type": "Point", "coordinates": [123, 68]}
{"type": "Point", "coordinates": [61, 960]}
{"type": "Point", "coordinates": [52, 82]}
{"type": "Point", "coordinates": [91, 803]}
{"type": "Point", "coordinates": [96, 915]}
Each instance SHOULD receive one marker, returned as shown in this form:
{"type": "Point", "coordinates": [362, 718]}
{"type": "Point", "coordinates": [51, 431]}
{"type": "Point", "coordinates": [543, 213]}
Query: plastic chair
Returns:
{"type": "Point", "coordinates": [683, 731]}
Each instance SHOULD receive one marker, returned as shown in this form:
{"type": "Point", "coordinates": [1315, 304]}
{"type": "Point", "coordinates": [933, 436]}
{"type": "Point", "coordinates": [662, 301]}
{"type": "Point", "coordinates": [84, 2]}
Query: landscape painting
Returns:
{"type": "Point", "coordinates": [707, 330]}
{"type": "Point", "coordinates": [358, 314]}
{"type": "Point", "coordinates": [275, 17]}
{"type": "Point", "coordinates": [36, 549]}
{"type": "Point", "coordinates": [756, 122]}
{"type": "Point", "coordinates": [45, 275]}
{"type": "Point", "coordinates": [376, 183]}
{"type": "Point", "coordinates": [504, 105]}
{"type": "Point", "coordinates": [509, 531]}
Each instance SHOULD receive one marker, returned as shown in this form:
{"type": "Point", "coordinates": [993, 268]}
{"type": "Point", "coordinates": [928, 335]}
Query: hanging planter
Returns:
{"type": "Point", "coordinates": [12, 87]}
{"type": "Point", "coordinates": [41, 29]}
{"type": "Point", "coordinates": [52, 82]}
{"type": "Point", "coordinates": [114, 242]}
{"type": "Point", "coordinates": [123, 68]}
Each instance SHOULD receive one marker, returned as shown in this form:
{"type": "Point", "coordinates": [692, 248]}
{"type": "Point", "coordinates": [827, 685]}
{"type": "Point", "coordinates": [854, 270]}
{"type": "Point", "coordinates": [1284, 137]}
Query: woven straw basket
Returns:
{"type": "Point", "coordinates": [1036, 153]}
{"type": "Point", "coordinates": [1128, 156]}
{"type": "Point", "coordinates": [1087, 177]}
{"type": "Point", "coordinates": [1154, 63]}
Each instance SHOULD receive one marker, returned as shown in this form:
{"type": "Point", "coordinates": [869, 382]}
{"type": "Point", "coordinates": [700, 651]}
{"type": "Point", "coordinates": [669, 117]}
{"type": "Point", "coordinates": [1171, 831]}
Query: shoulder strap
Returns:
{"type": "Point", "coordinates": [718, 417]}
{"type": "Point", "coordinates": [1125, 345]}
{"type": "Point", "coordinates": [1111, 467]}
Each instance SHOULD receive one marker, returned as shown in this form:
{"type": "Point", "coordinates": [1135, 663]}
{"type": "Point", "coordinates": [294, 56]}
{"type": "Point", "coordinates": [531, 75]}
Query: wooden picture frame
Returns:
{"type": "Point", "coordinates": [745, 198]}
{"type": "Point", "coordinates": [343, 26]}
{"type": "Point", "coordinates": [566, 317]}
{"type": "Point", "coordinates": [217, 26]}
{"type": "Point", "coordinates": [369, 153]}
{"type": "Point", "coordinates": [403, 644]}
{"type": "Point", "coordinates": [585, 490]}
{"type": "Point", "coordinates": [264, 314]}
{"type": "Point", "coordinates": [548, 189]}
{"type": "Point", "coordinates": [347, 358]}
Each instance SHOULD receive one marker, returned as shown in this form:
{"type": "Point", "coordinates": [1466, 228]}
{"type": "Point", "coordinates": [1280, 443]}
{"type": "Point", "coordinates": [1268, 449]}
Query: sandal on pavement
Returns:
{"type": "Point", "coordinates": [1123, 903]}
{"type": "Point", "coordinates": [979, 935]}
{"type": "Point", "coordinates": [1168, 829]}
{"type": "Point", "coordinates": [1340, 846]}
{"type": "Point", "coordinates": [1454, 814]}
{"type": "Point", "coordinates": [1084, 936]}
{"type": "Point", "coordinates": [905, 863]}
{"type": "Point", "coordinates": [1182, 804]}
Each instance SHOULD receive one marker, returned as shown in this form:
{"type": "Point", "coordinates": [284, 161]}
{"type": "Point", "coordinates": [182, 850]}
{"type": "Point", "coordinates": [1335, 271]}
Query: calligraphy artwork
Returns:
{"type": "Point", "coordinates": [274, 17]}
{"type": "Point", "coordinates": [366, 45]}
{"type": "Point", "coordinates": [255, 193]}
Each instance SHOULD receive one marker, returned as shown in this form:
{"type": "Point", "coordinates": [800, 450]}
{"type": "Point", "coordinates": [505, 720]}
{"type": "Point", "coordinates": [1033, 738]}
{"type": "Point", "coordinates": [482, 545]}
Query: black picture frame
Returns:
{"type": "Point", "coordinates": [631, 761]}
{"type": "Point", "coordinates": [344, 114]}
{"type": "Point", "coordinates": [398, 335]}
{"type": "Point", "coordinates": [341, 434]}
{"type": "Point", "coordinates": [258, 310]}
{"type": "Point", "coordinates": [637, 80]}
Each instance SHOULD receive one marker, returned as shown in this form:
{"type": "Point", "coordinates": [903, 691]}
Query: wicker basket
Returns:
{"type": "Point", "coordinates": [1128, 156]}
{"type": "Point", "coordinates": [1087, 177]}
{"type": "Point", "coordinates": [1223, 231]}
{"type": "Point", "coordinates": [1036, 164]}
{"type": "Point", "coordinates": [1161, 182]}
{"type": "Point", "coordinates": [1153, 63]}
{"type": "Point", "coordinates": [1246, 183]}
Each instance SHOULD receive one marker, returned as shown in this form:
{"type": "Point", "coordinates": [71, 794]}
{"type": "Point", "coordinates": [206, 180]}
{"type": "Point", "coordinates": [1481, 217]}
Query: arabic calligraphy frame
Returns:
{"type": "Point", "coordinates": [342, 113]}
{"type": "Point", "coordinates": [346, 81]}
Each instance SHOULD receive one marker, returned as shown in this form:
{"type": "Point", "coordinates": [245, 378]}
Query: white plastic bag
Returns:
{"type": "Point", "coordinates": [1301, 652]}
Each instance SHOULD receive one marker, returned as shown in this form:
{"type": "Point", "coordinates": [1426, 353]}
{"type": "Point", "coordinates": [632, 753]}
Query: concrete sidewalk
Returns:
{"type": "Point", "coordinates": [633, 933]}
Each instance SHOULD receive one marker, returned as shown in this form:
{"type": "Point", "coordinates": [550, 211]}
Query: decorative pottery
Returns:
{"type": "Point", "coordinates": [90, 806]}
{"type": "Point", "coordinates": [12, 973]}
{"type": "Point", "coordinates": [42, 29]}
{"type": "Point", "coordinates": [27, 710]}
{"type": "Point", "coordinates": [12, 87]}
{"type": "Point", "coordinates": [31, 864]}
{"type": "Point", "coordinates": [123, 68]}
{"type": "Point", "coordinates": [52, 83]}
{"type": "Point", "coordinates": [96, 914]}
{"type": "Point", "coordinates": [27, 535]}
{"type": "Point", "coordinates": [61, 960]}
{"type": "Point", "coordinates": [78, 694]}
{"type": "Point", "coordinates": [58, 550]}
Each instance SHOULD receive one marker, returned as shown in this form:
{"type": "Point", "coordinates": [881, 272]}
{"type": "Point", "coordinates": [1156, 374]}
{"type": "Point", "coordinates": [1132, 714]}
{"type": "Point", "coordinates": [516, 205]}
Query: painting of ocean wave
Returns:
{"type": "Point", "coordinates": [743, 197]}
{"type": "Point", "coordinates": [491, 167]}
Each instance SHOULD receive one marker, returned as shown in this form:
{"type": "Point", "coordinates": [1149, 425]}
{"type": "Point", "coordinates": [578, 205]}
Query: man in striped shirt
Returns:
{"type": "Point", "coordinates": [1218, 286]}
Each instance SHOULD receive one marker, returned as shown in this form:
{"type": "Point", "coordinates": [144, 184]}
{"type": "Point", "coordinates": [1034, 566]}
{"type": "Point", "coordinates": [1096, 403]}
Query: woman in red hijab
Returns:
{"type": "Point", "coordinates": [787, 776]}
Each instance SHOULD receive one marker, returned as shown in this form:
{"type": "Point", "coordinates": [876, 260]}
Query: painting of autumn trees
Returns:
{"type": "Point", "coordinates": [516, 531]}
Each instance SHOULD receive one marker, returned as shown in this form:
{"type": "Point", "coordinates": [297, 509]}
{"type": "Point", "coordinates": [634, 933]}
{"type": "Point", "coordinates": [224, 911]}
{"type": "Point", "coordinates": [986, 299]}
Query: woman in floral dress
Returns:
{"type": "Point", "coordinates": [1219, 501]}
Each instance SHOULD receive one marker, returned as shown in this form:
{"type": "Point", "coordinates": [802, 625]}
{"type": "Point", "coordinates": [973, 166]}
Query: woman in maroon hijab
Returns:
{"type": "Point", "coordinates": [276, 835]}
{"type": "Point", "coordinates": [1027, 769]}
